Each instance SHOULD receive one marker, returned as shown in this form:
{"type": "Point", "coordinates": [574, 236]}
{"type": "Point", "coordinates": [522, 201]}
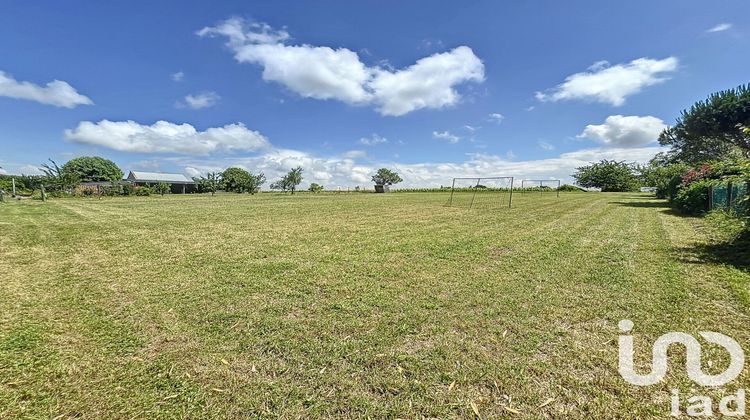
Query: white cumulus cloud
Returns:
{"type": "Point", "coordinates": [166, 137]}
{"type": "Point", "coordinates": [201, 100]}
{"type": "Point", "coordinates": [625, 131]}
{"type": "Point", "coordinates": [322, 72]}
{"type": "Point", "coordinates": [446, 135]}
{"type": "Point", "coordinates": [612, 84]}
{"type": "Point", "coordinates": [427, 84]}
{"type": "Point", "coordinates": [178, 77]}
{"type": "Point", "coordinates": [56, 92]}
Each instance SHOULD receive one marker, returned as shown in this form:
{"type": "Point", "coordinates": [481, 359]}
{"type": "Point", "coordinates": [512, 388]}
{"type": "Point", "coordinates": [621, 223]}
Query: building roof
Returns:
{"type": "Point", "coordinates": [159, 177]}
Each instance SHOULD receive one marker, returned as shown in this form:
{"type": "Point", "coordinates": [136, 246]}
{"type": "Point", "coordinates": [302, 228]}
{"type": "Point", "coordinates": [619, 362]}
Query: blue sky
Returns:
{"type": "Point", "coordinates": [435, 90]}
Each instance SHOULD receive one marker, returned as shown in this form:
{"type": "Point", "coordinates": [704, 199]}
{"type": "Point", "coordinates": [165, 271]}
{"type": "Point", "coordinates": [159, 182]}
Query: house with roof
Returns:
{"type": "Point", "coordinates": [178, 183]}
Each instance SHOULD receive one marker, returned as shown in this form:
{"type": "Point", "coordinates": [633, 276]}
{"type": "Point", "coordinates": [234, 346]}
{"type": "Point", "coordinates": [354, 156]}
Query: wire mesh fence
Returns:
{"type": "Point", "coordinates": [730, 196]}
{"type": "Point", "coordinates": [487, 192]}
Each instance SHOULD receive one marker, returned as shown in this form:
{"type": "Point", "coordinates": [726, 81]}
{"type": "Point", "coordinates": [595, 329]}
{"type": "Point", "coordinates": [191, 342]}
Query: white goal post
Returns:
{"type": "Point", "coordinates": [485, 192]}
{"type": "Point", "coordinates": [541, 185]}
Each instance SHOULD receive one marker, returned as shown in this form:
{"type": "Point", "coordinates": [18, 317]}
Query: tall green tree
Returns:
{"type": "Point", "coordinates": [609, 175]}
{"type": "Point", "coordinates": [209, 183]}
{"type": "Point", "coordinates": [235, 180]}
{"type": "Point", "coordinates": [254, 183]}
{"type": "Point", "coordinates": [385, 176]}
{"type": "Point", "coordinates": [93, 169]}
{"type": "Point", "coordinates": [239, 180]}
{"type": "Point", "coordinates": [290, 181]}
{"type": "Point", "coordinates": [712, 129]}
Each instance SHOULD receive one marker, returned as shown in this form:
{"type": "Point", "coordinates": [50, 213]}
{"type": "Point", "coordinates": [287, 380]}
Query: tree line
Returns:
{"type": "Point", "coordinates": [66, 178]}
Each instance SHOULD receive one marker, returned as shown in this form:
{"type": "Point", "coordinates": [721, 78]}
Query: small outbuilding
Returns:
{"type": "Point", "coordinates": [178, 183]}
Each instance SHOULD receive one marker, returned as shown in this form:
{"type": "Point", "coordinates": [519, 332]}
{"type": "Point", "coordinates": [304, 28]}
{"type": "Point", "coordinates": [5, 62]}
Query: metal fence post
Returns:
{"type": "Point", "coordinates": [710, 197]}
{"type": "Point", "coordinates": [453, 187]}
{"type": "Point", "coordinates": [476, 188]}
{"type": "Point", "coordinates": [510, 200]}
{"type": "Point", "coordinates": [729, 196]}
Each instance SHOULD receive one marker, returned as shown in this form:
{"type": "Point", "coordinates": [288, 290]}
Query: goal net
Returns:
{"type": "Point", "coordinates": [541, 186]}
{"type": "Point", "coordinates": [484, 192]}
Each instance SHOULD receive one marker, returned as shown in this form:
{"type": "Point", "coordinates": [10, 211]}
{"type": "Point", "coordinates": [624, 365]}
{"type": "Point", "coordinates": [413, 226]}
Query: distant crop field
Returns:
{"type": "Point", "coordinates": [349, 306]}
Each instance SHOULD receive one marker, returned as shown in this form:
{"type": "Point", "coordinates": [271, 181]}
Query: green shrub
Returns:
{"type": "Point", "coordinates": [6, 185]}
{"type": "Point", "coordinates": [569, 188]}
{"type": "Point", "coordinates": [315, 188]}
{"type": "Point", "coordinates": [111, 190]}
{"type": "Point", "coordinates": [693, 198]}
{"type": "Point", "coordinates": [162, 188]}
{"type": "Point", "coordinates": [128, 189]}
{"type": "Point", "coordinates": [726, 226]}
{"type": "Point", "coordinates": [142, 191]}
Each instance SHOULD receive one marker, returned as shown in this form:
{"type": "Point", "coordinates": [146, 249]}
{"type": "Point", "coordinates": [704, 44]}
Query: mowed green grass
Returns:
{"type": "Point", "coordinates": [350, 306]}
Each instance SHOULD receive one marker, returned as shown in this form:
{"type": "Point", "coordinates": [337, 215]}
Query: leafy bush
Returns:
{"type": "Point", "coordinates": [667, 178]}
{"type": "Point", "coordinates": [239, 180]}
{"type": "Point", "coordinates": [726, 226]}
{"type": "Point", "coordinates": [6, 185]}
{"type": "Point", "coordinates": [569, 188]}
{"type": "Point", "coordinates": [162, 188]}
{"type": "Point", "coordinates": [315, 188]}
{"type": "Point", "coordinates": [143, 191]}
{"type": "Point", "coordinates": [128, 189]}
{"type": "Point", "coordinates": [111, 190]}
{"type": "Point", "coordinates": [693, 198]}
{"type": "Point", "coordinates": [210, 183]}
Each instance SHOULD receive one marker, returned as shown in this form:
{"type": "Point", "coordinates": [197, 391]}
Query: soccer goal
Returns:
{"type": "Point", "coordinates": [542, 185]}
{"type": "Point", "coordinates": [484, 192]}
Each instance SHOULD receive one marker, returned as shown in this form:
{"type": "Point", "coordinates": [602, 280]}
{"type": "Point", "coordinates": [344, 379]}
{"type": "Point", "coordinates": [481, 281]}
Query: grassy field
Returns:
{"type": "Point", "coordinates": [350, 306]}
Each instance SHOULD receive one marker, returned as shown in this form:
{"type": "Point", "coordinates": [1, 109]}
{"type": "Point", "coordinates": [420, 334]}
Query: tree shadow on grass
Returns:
{"type": "Point", "coordinates": [735, 253]}
{"type": "Point", "coordinates": [651, 203]}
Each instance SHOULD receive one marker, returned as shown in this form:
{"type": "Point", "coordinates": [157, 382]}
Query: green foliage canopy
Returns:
{"type": "Point", "coordinates": [209, 183]}
{"type": "Point", "coordinates": [665, 177]}
{"type": "Point", "coordinates": [56, 179]}
{"type": "Point", "coordinates": [315, 187]}
{"type": "Point", "coordinates": [162, 188]}
{"type": "Point", "coordinates": [239, 180]}
{"type": "Point", "coordinates": [92, 169]}
{"type": "Point", "coordinates": [235, 180]}
{"type": "Point", "coordinates": [712, 129]}
{"type": "Point", "coordinates": [385, 176]}
{"type": "Point", "coordinates": [290, 181]}
{"type": "Point", "coordinates": [254, 183]}
{"type": "Point", "coordinates": [609, 175]}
